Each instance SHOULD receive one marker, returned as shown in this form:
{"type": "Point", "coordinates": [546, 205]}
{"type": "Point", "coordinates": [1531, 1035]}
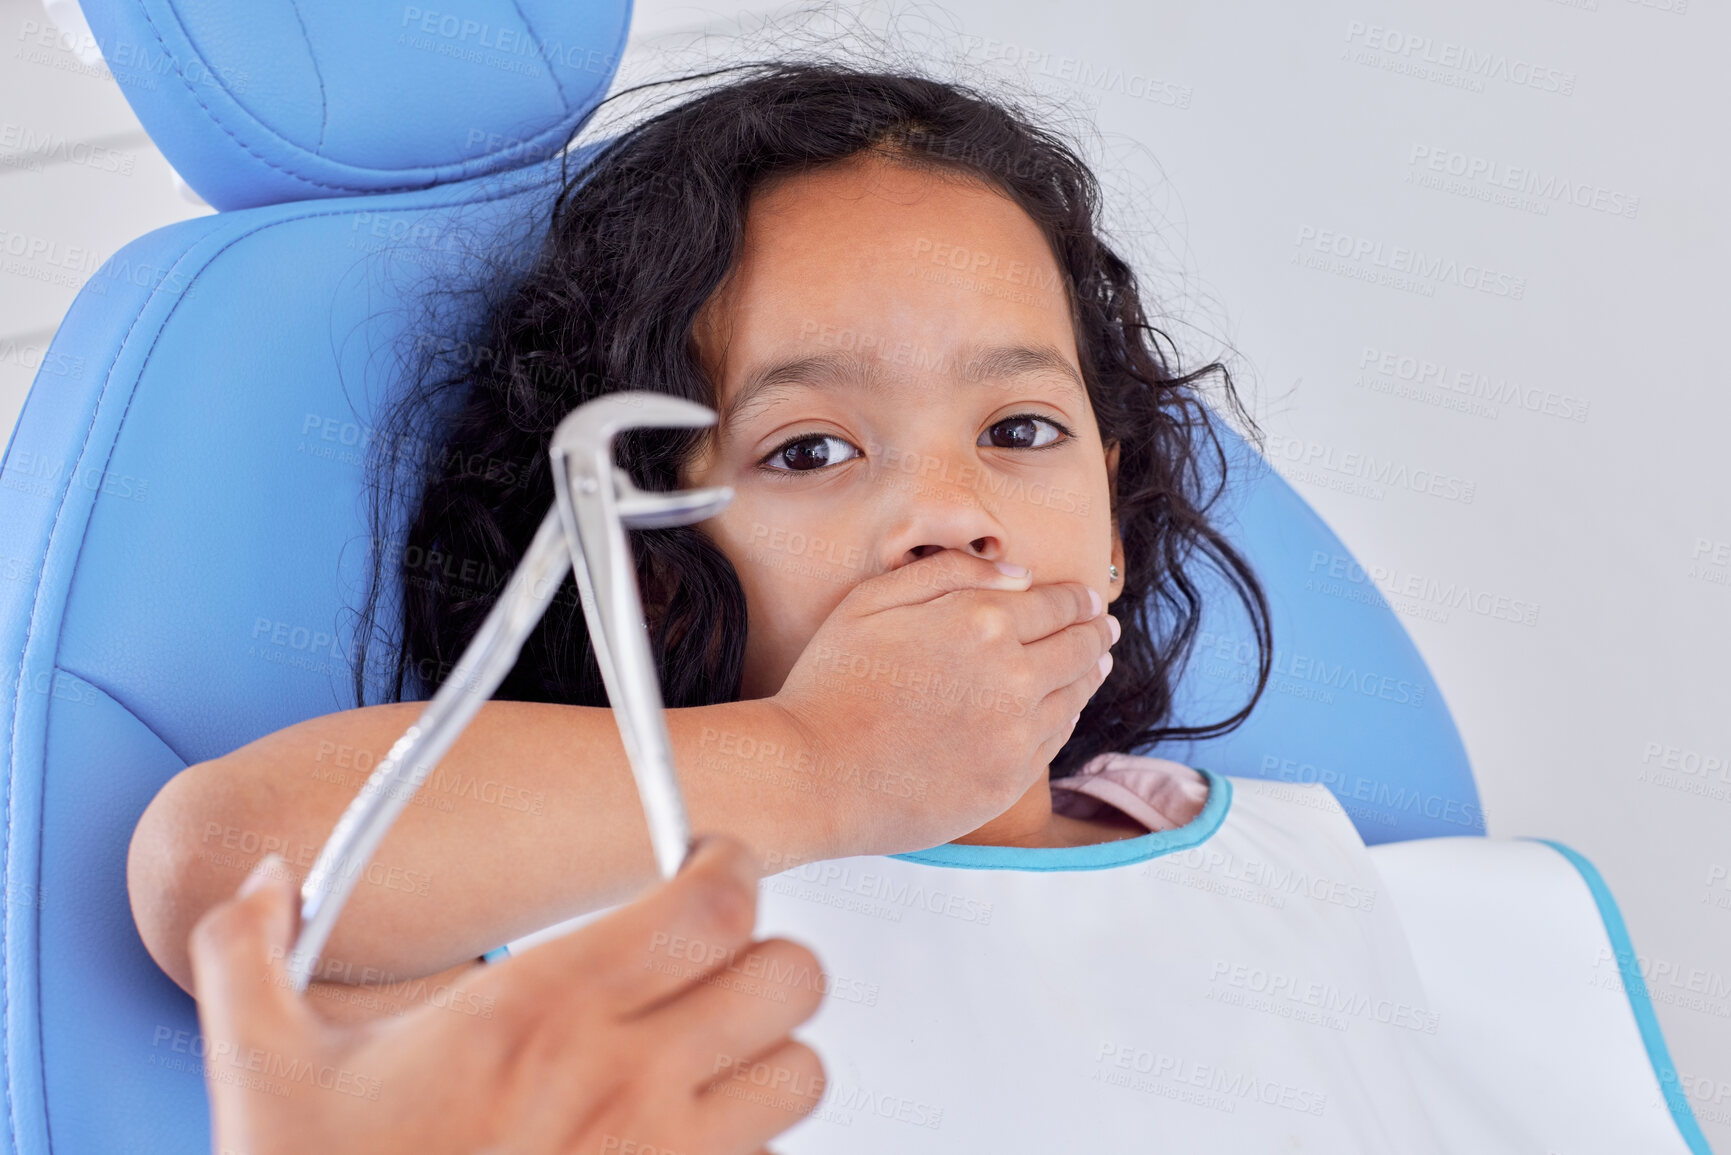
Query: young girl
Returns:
{"type": "Point", "coordinates": [925, 360]}
{"type": "Point", "coordinates": [1037, 425]}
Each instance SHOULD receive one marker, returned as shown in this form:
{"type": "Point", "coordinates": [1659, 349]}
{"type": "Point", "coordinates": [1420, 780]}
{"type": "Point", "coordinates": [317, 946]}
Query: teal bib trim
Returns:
{"type": "Point", "coordinates": [1097, 857]}
{"type": "Point", "coordinates": [1124, 852]}
{"type": "Point", "coordinates": [1639, 1002]}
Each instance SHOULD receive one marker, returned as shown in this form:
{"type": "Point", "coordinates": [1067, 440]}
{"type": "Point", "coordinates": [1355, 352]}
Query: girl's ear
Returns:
{"type": "Point", "coordinates": [1114, 588]}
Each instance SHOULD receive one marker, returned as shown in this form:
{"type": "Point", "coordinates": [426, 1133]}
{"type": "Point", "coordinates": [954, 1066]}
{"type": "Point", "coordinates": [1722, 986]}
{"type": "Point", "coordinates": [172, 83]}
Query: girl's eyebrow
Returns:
{"type": "Point", "coordinates": [844, 368]}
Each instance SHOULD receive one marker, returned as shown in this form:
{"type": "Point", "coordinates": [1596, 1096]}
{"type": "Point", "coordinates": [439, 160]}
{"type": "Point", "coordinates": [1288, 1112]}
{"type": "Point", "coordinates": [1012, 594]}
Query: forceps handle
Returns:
{"type": "Point", "coordinates": [607, 583]}
{"type": "Point", "coordinates": [392, 784]}
{"type": "Point", "coordinates": [595, 500]}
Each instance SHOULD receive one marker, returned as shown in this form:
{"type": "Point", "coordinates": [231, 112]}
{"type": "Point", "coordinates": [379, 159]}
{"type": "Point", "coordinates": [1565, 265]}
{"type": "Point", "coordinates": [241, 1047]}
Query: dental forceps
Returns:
{"type": "Point", "coordinates": [594, 501]}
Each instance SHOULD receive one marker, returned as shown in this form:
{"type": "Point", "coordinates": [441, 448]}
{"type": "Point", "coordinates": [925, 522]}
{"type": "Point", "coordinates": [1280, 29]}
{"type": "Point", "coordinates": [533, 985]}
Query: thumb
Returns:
{"type": "Point", "coordinates": [239, 953]}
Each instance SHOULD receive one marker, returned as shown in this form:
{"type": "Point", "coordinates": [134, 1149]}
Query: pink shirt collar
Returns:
{"type": "Point", "coordinates": [1157, 792]}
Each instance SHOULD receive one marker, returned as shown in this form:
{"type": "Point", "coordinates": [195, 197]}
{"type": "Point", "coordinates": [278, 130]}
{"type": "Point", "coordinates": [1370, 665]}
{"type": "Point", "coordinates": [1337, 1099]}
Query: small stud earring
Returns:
{"type": "Point", "coordinates": [1113, 570]}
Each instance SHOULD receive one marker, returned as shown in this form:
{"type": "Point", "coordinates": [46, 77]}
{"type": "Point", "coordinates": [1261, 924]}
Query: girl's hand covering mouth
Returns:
{"type": "Point", "coordinates": [943, 689]}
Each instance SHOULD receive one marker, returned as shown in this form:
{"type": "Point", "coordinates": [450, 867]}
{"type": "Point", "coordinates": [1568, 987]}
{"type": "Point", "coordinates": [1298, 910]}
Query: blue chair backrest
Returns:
{"type": "Point", "coordinates": [184, 522]}
{"type": "Point", "coordinates": [1349, 702]}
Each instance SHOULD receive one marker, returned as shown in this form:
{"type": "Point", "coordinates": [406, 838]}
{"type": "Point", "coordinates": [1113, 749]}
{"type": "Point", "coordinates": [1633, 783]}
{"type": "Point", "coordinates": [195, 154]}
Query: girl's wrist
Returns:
{"type": "Point", "coordinates": [755, 769]}
{"type": "Point", "coordinates": [814, 826]}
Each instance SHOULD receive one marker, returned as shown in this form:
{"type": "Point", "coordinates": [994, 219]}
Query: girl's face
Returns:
{"type": "Point", "coordinates": [896, 374]}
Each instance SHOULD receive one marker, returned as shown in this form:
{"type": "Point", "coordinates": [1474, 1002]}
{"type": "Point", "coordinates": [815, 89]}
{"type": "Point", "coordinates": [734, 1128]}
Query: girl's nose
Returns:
{"type": "Point", "coordinates": [984, 547]}
{"type": "Point", "coordinates": [944, 507]}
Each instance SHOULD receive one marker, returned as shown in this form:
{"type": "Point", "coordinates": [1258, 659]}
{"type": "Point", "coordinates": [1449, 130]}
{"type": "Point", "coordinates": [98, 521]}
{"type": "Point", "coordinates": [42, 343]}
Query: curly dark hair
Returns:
{"type": "Point", "coordinates": [644, 230]}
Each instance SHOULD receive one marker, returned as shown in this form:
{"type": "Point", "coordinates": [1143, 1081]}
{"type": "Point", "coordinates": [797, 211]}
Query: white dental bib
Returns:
{"type": "Point", "coordinates": [1255, 981]}
{"type": "Point", "coordinates": [1244, 983]}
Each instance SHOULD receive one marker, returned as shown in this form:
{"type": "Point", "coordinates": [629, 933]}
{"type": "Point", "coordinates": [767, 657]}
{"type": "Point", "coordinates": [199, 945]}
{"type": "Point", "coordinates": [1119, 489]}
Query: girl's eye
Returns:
{"type": "Point", "coordinates": [809, 453]}
{"type": "Point", "coordinates": [1023, 432]}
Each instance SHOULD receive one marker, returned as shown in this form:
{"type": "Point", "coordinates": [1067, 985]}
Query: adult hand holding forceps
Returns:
{"type": "Point", "coordinates": [645, 1045]}
{"type": "Point", "coordinates": [583, 1046]}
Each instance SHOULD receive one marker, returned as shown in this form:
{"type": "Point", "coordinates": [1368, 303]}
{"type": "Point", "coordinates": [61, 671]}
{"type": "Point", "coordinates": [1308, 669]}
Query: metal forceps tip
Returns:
{"type": "Point", "coordinates": [583, 534]}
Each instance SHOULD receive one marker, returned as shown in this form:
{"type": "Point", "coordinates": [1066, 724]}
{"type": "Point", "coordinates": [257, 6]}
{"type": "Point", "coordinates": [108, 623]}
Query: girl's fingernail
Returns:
{"type": "Point", "coordinates": [1012, 569]}
{"type": "Point", "coordinates": [1074, 720]}
{"type": "Point", "coordinates": [1117, 630]}
{"type": "Point", "coordinates": [1105, 664]}
{"type": "Point", "coordinates": [262, 872]}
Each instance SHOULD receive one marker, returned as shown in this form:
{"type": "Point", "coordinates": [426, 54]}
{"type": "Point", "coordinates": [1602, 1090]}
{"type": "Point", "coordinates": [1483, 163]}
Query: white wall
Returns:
{"type": "Point", "coordinates": [1243, 134]}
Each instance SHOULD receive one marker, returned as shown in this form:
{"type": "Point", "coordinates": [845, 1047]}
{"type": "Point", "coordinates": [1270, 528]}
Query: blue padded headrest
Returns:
{"type": "Point", "coordinates": [393, 97]}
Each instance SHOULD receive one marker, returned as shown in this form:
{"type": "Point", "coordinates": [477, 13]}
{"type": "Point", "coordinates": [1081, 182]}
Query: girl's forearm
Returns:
{"type": "Point", "coordinates": [531, 818]}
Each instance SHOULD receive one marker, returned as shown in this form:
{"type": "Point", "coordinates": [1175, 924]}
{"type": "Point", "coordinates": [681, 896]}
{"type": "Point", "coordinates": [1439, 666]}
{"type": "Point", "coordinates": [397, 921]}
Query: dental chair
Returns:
{"type": "Point", "coordinates": [184, 519]}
